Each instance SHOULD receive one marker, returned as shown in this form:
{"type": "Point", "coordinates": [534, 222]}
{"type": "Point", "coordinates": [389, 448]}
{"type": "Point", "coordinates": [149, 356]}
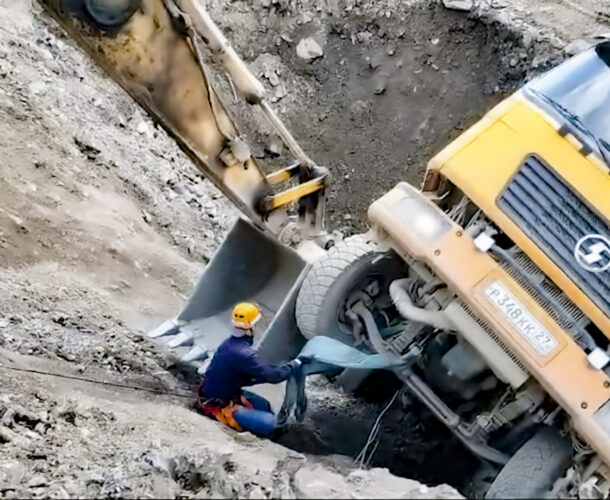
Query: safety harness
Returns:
{"type": "Point", "coordinates": [222, 411]}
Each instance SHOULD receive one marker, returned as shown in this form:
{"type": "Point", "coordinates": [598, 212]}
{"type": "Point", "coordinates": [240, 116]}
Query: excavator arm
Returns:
{"type": "Point", "coordinates": [155, 50]}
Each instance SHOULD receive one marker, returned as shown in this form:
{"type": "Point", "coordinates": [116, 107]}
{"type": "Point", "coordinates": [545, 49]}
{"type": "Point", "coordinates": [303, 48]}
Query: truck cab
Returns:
{"type": "Point", "coordinates": [504, 297]}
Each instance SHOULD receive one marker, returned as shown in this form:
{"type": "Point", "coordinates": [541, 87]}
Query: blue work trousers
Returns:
{"type": "Point", "coordinates": [259, 419]}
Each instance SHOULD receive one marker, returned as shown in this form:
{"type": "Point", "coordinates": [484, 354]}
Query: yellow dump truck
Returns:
{"type": "Point", "coordinates": [505, 292]}
{"type": "Point", "coordinates": [490, 285]}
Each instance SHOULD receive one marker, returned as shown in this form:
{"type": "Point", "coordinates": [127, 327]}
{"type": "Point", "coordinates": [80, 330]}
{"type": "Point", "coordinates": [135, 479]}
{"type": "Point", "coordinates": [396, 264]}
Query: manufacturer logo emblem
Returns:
{"type": "Point", "coordinates": [592, 252]}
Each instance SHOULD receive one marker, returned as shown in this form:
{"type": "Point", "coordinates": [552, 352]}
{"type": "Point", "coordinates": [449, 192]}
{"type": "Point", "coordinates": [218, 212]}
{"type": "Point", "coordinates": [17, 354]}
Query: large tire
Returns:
{"type": "Point", "coordinates": [331, 280]}
{"type": "Point", "coordinates": [534, 468]}
{"type": "Point", "coordinates": [111, 13]}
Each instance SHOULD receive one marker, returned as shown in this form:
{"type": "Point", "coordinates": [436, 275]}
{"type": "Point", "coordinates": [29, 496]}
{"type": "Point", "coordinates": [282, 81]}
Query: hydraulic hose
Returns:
{"type": "Point", "coordinates": [409, 311]}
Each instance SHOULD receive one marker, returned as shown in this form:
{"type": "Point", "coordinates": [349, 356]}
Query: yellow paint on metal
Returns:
{"type": "Point", "coordinates": [281, 175]}
{"type": "Point", "coordinates": [155, 64]}
{"type": "Point", "coordinates": [565, 373]}
{"type": "Point", "coordinates": [160, 66]}
{"type": "Point", "coordinates": [293, 194]}
{"type": "Point", "coordinates": [482, 163]}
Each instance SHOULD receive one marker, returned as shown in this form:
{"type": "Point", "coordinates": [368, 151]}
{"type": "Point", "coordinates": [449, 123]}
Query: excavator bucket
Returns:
{"type": "Point", "coordinates": [155, 49]}
{"type": "Point", "coordinates": [248, 266]}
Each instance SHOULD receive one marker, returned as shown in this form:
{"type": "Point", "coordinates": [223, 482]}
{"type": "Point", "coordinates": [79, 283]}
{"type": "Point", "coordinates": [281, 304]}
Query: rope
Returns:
{"type": "Point", "coordinates": [98, 382]}
{"type": "Point", "coordinates": [373, 434]}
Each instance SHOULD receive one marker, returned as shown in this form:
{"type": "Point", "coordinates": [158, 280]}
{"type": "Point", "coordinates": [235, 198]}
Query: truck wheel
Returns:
{"type": "Point", "coordinates": [111, 13]}
{"type": "Point", "coordinates": [534, 468]}
{"type": "Point", "coordinates": [348, 267]}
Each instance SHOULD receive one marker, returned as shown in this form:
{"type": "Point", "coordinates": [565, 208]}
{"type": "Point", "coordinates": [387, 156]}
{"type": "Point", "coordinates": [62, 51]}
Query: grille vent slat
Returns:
{"type": "Point", "coordinates": [570, 315]}
{"type": "Point", "coordinates": [491, 332]}
{"type": "Point", "coordinates": [555, 218]}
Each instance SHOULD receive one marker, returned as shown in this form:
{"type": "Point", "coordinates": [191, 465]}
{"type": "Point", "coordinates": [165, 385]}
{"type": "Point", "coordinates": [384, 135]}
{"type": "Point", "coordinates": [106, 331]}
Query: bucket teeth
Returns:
{"type": "Point", "coordinates": [198, 352]}
{"type": "Point", "coordinates": [183, 338]}
{"type": "Point", "coordinates": [169, 327]}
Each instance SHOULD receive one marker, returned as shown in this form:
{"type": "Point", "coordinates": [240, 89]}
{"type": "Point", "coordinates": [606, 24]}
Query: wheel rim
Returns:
{"type": "Point", "coordinates": [386, 270]}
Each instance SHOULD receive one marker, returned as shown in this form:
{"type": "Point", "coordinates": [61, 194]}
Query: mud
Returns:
{"type": "Point", "coordinates": [411, 442]}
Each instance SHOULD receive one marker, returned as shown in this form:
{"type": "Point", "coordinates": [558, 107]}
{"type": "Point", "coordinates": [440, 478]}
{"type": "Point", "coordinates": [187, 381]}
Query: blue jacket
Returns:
{"type": "Point", "coordinates": [235, 365]}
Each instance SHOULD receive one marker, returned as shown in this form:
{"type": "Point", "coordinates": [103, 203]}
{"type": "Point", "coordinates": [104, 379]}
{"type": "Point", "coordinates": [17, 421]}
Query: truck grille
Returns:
{"type": "Point", "coordinates": [555, 218]}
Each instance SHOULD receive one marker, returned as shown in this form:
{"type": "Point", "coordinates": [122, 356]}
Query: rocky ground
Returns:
{"type": "Point", "coordinates": [105, 227]}
{"type": "Point", "coordinates": [62, 437]}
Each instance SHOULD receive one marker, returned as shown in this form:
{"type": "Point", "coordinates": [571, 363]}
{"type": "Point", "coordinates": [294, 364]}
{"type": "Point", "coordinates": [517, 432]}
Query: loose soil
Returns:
{"type": "Point", "coordinates": [105, 227]}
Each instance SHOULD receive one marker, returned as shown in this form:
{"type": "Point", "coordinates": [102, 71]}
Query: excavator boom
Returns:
{"type": "Point", "coordinates": [156, 50]}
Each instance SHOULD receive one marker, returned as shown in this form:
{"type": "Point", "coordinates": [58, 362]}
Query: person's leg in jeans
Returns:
{"type": "Point", "coordinates": [259, 419]}
{"type": "Point", "coordinates": [262, 423]}
{"type": "Point", "coordinates": [258, 402]}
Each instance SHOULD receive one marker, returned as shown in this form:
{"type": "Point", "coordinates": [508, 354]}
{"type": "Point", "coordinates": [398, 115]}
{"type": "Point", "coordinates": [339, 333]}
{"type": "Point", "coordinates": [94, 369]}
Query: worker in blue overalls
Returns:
{"type": "Point", "coordinates": [235, 365]}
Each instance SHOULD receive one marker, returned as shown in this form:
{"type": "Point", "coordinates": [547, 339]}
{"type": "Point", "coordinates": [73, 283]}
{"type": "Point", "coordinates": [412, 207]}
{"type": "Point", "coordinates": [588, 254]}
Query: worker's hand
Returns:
{"type": "Point", "coordinates": [305, 359]}
{"type": "Point", "coordinates": [295, 364]}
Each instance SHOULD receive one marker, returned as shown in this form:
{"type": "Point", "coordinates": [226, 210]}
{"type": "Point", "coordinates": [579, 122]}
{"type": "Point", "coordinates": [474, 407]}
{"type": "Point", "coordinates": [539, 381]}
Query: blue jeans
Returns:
{"type": "Point", "coordinates": [259, 419]}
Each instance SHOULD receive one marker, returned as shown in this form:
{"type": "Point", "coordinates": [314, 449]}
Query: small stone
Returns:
{"type": "Point", "coordinates": [380, 86]}
{"type": "Point", "coordinates": [245, 437]}
{"type": "Point", "coordinates": [6, 435]}
{"type": "Point", "coordinates": [374, 62]}
{"type": "Point", "coordinates": [464, 5]}
{"type": "Point", "coordinates": [556, 42]}
{"type": "Point", "coordinates": [280, 91]}
{"type": "Point", "coordinates": [142, 128]}
{"type": "Point", "coordinates": [530, 36]}
{"type": "Point", "coordinates": [337, 236]}
{"type": "Point", "coordinates": [177, 189]}
{"type": "Point", "coordinates": [576, 46]}
{"type": "Point", "coordinates": [60, 319]}
{"type": "Point", "coordinates": [8, 419]}
{"type": "Point", "coordinates": [309, 49]}
{"type": "Point", "coordinates": [347, 216]}
{"type": "Point", "coordinates": [274, 146]}
{"type": "Point", "coordinates": [36, 87]}
{"type": "Point", "coordinates": [318, 482]}
{"type": "Point", "coordinates": [37, 481]}
{"type": "Point", "coordinates": [364, 36]}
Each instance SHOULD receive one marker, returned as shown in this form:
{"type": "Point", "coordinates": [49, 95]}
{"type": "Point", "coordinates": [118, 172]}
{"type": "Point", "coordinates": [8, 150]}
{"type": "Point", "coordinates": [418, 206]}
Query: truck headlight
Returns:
{"type": "Point", "coordinates": [424, 219]}
{"type": "Point", "coordinates": [602, 417]}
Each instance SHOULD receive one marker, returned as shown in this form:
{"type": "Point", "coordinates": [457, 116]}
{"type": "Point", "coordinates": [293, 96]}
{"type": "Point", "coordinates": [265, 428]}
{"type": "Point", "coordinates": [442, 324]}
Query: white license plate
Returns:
{"type": "Point", "coordinates": [538, 336]}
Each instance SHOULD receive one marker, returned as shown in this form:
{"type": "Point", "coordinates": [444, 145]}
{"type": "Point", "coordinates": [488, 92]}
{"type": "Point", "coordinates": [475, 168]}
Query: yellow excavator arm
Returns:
{"type": "Point", "coordinates": [154, 50]}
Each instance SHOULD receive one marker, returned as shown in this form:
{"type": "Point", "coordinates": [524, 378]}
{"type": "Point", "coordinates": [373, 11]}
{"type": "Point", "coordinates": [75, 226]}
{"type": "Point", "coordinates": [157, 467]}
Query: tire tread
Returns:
{"type": "Point", "coordinates": [535, 466]}
{"type": "Point", "coordinates": [321, 278]}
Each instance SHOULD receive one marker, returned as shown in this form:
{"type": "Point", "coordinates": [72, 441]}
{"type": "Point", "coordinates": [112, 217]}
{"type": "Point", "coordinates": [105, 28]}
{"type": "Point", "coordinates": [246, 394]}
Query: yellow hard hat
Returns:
{"type": "Point", "coordinates": [245, 315]}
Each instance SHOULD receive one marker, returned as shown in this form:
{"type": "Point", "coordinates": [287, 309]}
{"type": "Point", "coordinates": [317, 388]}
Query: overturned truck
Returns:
{"type": "Point", "coordinates": [489, 287]}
